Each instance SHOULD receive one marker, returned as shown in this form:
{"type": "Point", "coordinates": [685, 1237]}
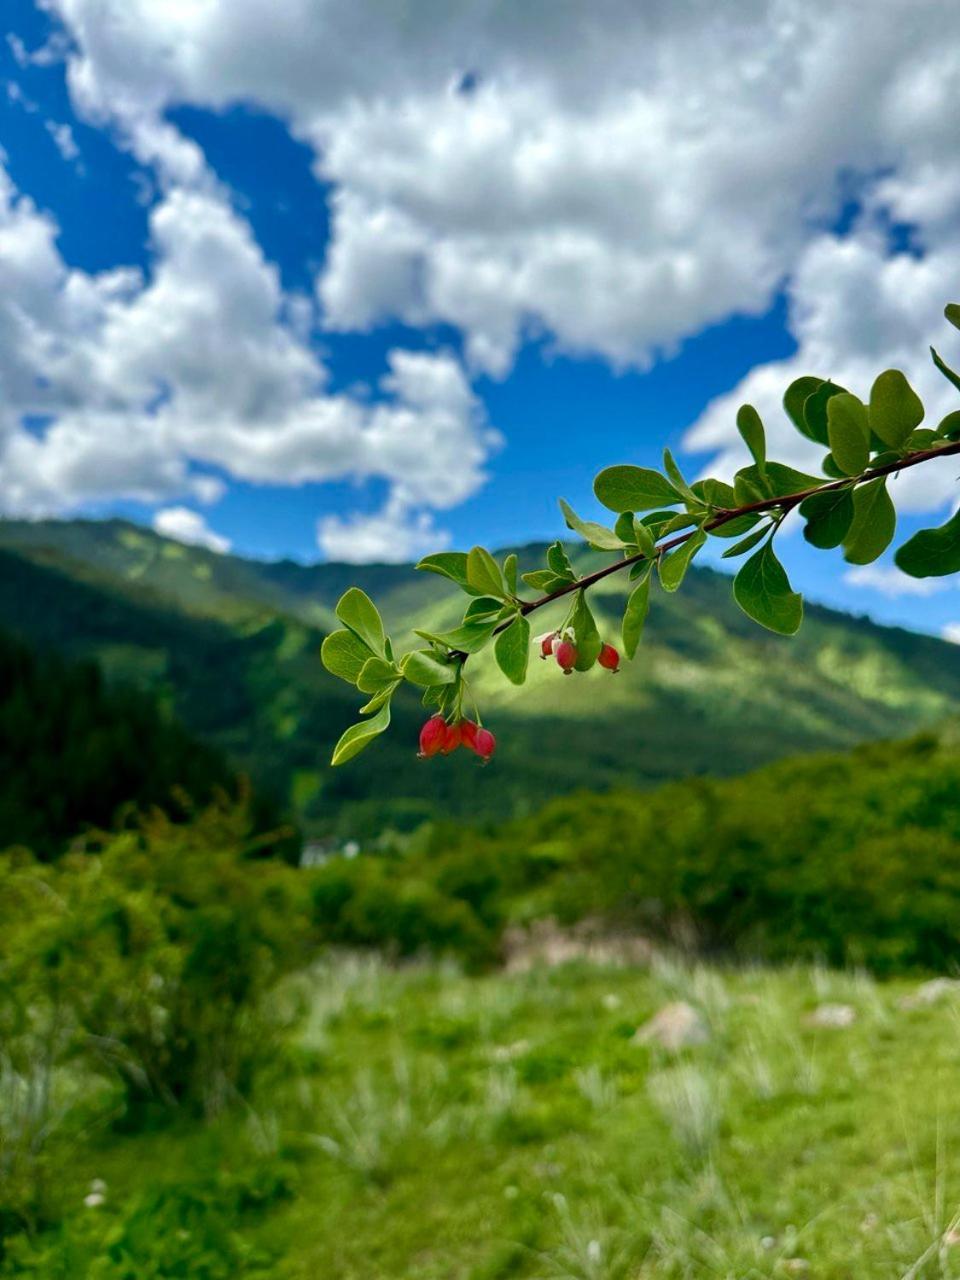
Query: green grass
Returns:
{"type": "Point", "coordinates": [434, 1126]}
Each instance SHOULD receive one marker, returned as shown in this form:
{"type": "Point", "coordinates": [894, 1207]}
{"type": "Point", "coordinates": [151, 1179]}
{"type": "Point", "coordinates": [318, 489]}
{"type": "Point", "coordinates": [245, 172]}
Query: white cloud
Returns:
{"type": "Point", "coordinates": [951, 632]}
{"type": "Point", "coordinates": [392, 535]}
{"type": "Point", "coordinates": [619, 176]}
{"type": "Point", "coordinates": [63, 138]}
{"type": "Point", "coordinates": [138, 381]}
{"type": "Point", "coordinates": [891, 581]}
{"type": "Point", "coordinates": [855, 311]}
{"type": "Point", "coordinates": [190, 527]}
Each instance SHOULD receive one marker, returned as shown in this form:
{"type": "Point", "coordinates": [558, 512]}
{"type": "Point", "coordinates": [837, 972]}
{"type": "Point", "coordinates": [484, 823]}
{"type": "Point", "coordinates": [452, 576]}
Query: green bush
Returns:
{"type": "Point", "coordinates": [147, 959]}
{"type": "Point", "coordinates": [849, 858]}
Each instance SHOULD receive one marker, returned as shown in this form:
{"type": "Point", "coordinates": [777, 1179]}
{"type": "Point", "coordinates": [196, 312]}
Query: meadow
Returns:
{"type": "Point", "coordinates": [421, 1123]}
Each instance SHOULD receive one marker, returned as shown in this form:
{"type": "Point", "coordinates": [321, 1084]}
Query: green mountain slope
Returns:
{"type": "Point", "coordinates": [232, 643]}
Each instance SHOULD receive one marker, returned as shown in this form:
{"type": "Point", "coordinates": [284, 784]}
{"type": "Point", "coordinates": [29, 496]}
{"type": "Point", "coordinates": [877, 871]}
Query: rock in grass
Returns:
{"type": "Point", "coordinates": [677, 1026]}
{"type": "Point", "coordinates": [832, 1015]}
{"type": "Point", "coordinates": [931, 992]}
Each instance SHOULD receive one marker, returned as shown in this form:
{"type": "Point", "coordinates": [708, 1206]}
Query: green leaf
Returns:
{"type": "Point", "coordinates": [483, 573]}
{"type": "Point", "coordinates": [932, 553]}
{"type": "Point", "coordinates": [469, 638]}
{"type": "Point", "coordinates": [425, 669]}
{"type": "Point", "coordinates": [376, 674]}
{"type": "Point", "coordinates": [673, 566]}
{"type": "Point", "coordinates": [746, 544]}
{"type": "Point", "coordinates": [357, 611]}
{"type": "Point", "coordinates": [949, 428]}
{"type": "Point", "coordinates": [343, 655]}
{"type": "Point", "coordinates": [796, 396]}
{"type": "Point", "coordinates": [734, 528]}
{"type": "Point", "coordinates": [815, 422]}
{"type": "Point", "coordinates": [750, 426]}
{"type": "Point", "coordinates": [849, 433]}
{"type": "Point", "coordinates": [545, 581]}
{"type": "Point", "coordinates": [775, 481]}
{"type": "Point", "coordinates": [597, 535]}
{"type": "Point", "coordinates": [828, 516]}
{"type": "Point", "coordinates": [952, 312]}
{"type": "Point", "coordinates": [585, 633]}
{"type": "Point", "coordinates": [450, 564]}
{"type": "Point", "coordinates": [762, 590]}
{"type": "Point", "coordinates": [715, 493]}
{"type": "Point", "coordinates": [559, 562]}
{"type": "Point", "coordinates": [624, 529]}
{"type": "Point", "coordinates": [628, 488]}
{"type": "Point", "coordinates": [635, 614]}
{"type": "Point", "coordinates": [510, 572]}
{"type": "Point", "coordinates": [948, 373]}
{"type": "Point", "coordinates": [378, 699]}
{"type": "Point", "coordinates": [895, 408]}
{"type": "Point", "coordinates": [359, 736]}
{"type": "Point", "coordinates": [483, 608]}
{"type": "Point", "coordinates": [750, 486]}
{"type": "Point", "coordinates": [874, 522]}
{"type": "Point", "coordinates": [643, 537]}
{"type": "Point", "coordinates": [831, 469]}
{"type": "Point", "coordinates": [676, 479]}
{"type": "Point", "coordinates": [512, 650]}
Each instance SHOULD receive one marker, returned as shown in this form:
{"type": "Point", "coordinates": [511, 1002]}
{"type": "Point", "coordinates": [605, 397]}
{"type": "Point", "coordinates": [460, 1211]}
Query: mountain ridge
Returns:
{"type": "Point", "coordinates": [232, 644]}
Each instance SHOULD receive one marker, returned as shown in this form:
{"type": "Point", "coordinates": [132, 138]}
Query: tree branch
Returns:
{"type": "Point", "coordinates": [783, 504]}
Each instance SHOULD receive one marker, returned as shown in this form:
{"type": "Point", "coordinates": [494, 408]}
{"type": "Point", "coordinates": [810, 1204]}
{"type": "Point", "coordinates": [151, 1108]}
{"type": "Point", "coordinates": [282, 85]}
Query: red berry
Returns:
{"type": "Point", "coordinates": [566, 656]}
{"type": "Point", "coordinates": [433, 735]}
{"type": "Point", "coordinates": [546, 645]}
{"type": "Point", "coordinates": [452, 738]}
{"type": "Point", "coordinates": [468, 734]}
{"type": "Point", "coordinates": [609, 658]}
{"type": "Point", "coordinates": [486, 744]}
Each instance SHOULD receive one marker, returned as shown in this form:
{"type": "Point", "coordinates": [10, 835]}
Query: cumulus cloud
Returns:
{"type": "Point", "coordinates": [951, 632]}
{"type": "Point", "coordinates": [617, 175]}
{"type": "Point", "coordinates": [891, 581]}
{"type": "Point", "coordinates": [189, 526]}
{"type": "Point", "coordinates": [612, 176]}
{"type": "Point", "coordinates": [854, 310]}
{"type": "Point", "coordinates": [391, 536]}
{"type": "Point", "coordinates": [123, 385]}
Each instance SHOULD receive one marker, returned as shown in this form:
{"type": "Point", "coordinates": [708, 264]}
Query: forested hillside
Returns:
{"type": "Point", "coordinates": [232, 646]}
{"type": "Point", "coordinates": [76, 754]}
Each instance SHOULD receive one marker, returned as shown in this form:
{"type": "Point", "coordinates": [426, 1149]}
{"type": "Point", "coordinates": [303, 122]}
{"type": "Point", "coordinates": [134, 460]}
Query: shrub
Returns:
{"type": "Point", "coordinates": [149, 958]}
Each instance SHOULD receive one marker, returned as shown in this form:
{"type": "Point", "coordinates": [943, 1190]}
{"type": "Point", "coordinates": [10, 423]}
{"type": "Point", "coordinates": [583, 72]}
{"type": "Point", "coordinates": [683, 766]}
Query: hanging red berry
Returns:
{"type": "Point", "coordinates": [547, 643]}
{"type": "Point", "coordinates": [468, 734]}
{"type": "Point", "coordinates": [609, 658]}
{"type": "Point", "coordinates": [452, 738]}
{"type": "Point", "coordinates": [433, 736]}
{"type": "Point", "coordinates": [566, 656]}
{"type": "Point", "coordinates": [485, 744]}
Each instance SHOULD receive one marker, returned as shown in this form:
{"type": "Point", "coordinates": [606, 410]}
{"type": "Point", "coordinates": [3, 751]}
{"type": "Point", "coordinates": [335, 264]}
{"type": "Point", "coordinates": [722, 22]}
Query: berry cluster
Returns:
{"type": "Point", "coordinates": [440, 738]}
{"type": "Point", "coordinates": [557, 645]}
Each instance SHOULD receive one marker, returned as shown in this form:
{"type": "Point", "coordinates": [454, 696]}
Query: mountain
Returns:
{"type": "Point", "coordinates": [231, 644]}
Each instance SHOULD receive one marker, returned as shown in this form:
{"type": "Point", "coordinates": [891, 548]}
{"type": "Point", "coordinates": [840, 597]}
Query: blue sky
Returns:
{"type": "Point", "coordinates": [571, 277]}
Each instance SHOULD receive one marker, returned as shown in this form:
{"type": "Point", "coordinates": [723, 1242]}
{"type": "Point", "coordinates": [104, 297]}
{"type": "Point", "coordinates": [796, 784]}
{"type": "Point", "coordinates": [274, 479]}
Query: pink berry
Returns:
{"type": "Point", "coordinates": [566, 656]}
{"type": "Point", "coordinates": [546, 645]}
{"type": "Point", "coordinates": [485, 744]}
{"type": "Point", "coordinates": [609, 658]}
{"type": "Point", "coordinates": [452, 738]}
{"type": "Point", "coordinates": [433, 736]}
{"type": "Point", "coordinates": [468, 734]}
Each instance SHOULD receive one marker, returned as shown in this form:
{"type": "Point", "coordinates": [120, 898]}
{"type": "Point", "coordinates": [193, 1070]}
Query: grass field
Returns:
{"type": "Point", "coordinates": [423, 1124]}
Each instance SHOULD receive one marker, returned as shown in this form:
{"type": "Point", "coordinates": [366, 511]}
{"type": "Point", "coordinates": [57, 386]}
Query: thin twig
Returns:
{"type": "Point", "coordinates": [782, 504]}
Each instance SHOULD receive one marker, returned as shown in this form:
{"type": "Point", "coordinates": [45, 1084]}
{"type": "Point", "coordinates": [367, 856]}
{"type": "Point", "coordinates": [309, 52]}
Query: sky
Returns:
{"type": "Point", "coordinates": [363, 279]}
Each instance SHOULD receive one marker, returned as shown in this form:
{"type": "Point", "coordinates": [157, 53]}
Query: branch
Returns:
{"type": "Point", "coordinates": [783, 504]}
